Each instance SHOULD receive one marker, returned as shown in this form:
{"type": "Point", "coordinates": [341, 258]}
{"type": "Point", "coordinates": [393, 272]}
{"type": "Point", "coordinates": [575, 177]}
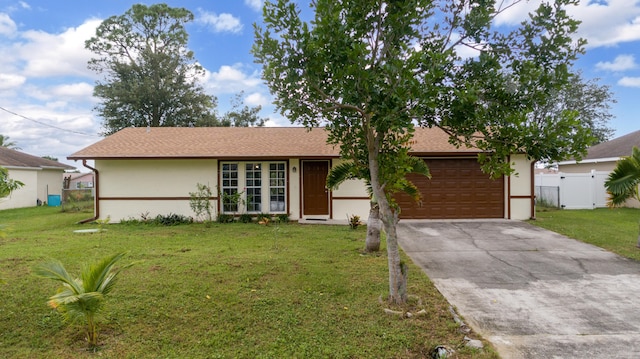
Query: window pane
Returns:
{"type": "Point", "coordinates": [277, 183]}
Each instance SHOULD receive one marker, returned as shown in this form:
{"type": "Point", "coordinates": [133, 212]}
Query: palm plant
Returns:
{"type": "Point", "coordinates": [352, 170]}
{"type": "Point", "coordinates": [82, 299]}
{"type": "Point", "coordinates": [623, 182]}
{"type": "Point", "coordinates": [4, 142]}
{"type": "Point", "coordinates": [7, 185]}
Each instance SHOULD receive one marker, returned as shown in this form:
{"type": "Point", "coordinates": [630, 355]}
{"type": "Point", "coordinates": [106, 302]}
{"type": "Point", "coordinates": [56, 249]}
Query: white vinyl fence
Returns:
{"type": "Point", "coordinates": [574, 190]}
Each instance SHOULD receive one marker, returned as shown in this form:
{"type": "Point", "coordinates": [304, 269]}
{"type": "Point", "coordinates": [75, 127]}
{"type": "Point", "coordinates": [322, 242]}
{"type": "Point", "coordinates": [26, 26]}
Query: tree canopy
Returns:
{"type": "Point", "coordinates": [150, 78]}
{"type": "Point", "coordinates": [372, 70]}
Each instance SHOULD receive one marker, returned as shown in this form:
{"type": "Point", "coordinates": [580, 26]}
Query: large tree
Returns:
{"type": "Point", "coordinates": [370, 70]}
{"type": "Point", "coordinates": [591, 101]}
{"type": "Point", "coordinates": [151, 78]}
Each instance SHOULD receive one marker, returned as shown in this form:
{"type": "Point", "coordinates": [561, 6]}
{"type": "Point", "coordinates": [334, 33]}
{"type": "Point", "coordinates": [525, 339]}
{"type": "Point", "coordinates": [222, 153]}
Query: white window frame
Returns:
{"type": "Point", "coordinates": [265, 187]}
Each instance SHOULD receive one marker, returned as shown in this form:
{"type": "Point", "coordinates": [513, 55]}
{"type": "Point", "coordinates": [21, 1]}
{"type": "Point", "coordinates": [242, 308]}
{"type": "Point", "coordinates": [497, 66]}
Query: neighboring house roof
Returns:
{"type": "Point", "coordinates": [239, 142]}
{"type": "Point", "coordinates": [617, 147]}
{"type": "Point", "coordinates": [610, 151]}
{"type": "Point", "coordinates": [13, 158]}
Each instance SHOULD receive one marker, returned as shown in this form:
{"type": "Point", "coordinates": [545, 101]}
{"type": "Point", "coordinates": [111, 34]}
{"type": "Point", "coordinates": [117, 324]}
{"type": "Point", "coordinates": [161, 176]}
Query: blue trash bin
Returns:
{"type": "Point", "coordinates": [53, 200]}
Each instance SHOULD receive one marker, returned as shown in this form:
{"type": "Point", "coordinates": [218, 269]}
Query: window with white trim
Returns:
{"type": "Point", "coordinates": [253, 181]}
{"type": "Point", "coordinates": [244, 180]}
{"type": "Point", "coordinates": [277, 187]}
{"type": "Point", "coordinates": [229, 187]}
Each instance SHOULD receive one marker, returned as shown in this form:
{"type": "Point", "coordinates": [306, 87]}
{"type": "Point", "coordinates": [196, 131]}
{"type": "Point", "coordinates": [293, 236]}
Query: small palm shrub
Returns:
{"type": "Point", "coordinates": [354, 221]}
{"type": "Point", "coordinates": [82, 299]}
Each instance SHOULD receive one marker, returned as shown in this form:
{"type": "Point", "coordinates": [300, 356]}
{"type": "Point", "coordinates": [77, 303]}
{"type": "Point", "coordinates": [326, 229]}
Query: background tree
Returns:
{"type": "Point", "coordinates": [51, 158]}
{"type": "Point", "coordinates": [4, 142]}
{"type": "Point", "coordinates": [242, 115]}
{"type": "Point", "coordinates": [622, 183]}
{"type": "Point", "coordinates": [370, 70]}
{"type": "Point", "coordinates": [150, 77]}
{"type": "Point", "coordinates": [590, 100]}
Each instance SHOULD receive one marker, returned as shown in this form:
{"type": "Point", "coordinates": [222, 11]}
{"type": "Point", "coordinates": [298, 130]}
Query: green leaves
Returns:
{"type": "Point", "coordinates": [623, 182]}
{"type": "Point", "coordinates": [150, 76]}
{"type": "Point", "coordinates": [7, 185]}
{"type": "Point", "coordinates": [82, 298]}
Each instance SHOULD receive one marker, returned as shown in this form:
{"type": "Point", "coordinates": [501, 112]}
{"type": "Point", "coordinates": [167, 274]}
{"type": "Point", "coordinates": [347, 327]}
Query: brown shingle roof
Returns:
{"type": "Point", "coordinates": [237, 142]}
{"type": "Point", "coordinates": [617, 147]}
{"type": "Point", "coordinates": [13, 158]}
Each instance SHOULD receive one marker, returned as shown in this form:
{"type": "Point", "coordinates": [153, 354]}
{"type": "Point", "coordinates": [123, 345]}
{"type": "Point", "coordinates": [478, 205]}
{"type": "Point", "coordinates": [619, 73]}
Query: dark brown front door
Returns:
{"type": "Point", "coordinates": [457, 189]}
{"type": "Point", "coordinates": [315, 195]}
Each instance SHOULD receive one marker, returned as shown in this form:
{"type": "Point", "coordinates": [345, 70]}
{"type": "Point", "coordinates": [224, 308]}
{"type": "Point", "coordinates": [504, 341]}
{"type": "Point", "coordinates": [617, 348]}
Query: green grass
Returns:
{"type": "Point", "coordinates": [228, 291]}
{"type": "Point", "coordinates": [615, 230]}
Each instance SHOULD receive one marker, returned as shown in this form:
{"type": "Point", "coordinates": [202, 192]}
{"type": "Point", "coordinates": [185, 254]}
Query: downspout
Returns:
{"type": "Point", "coordinates": [533, 190]}
{"type": "Point", "coordinates": [96, 188]}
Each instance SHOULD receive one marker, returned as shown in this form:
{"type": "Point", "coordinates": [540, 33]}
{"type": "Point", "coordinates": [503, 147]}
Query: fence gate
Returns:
{"type": "Point", "coordinates": [577, 191]}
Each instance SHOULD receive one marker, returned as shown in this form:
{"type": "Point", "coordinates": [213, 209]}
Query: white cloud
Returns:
{"type": "Point", "coordinates": [81, 89]}
{"type": "Point", "coordinates": [603, 23]}
{"type": "Point", "coordinates": [620, 63]}
{"type": "Point", "coordinates": [24, 5]}
{"type": "Point", "coordinates": [47, 55]}
{"type": "Point", "coordinates": [629, 81]}
{"type": "Point", "coordinates": [231, 79]}
{"type": "Point", "coordinates": [7, 25]}
{"type": "Point", "coordinates": [11, 81]}
{"type": "Point", "coordinates": [254, 4]}
{"type": "Point", "coordinates": [607, 24]}
{"type": "Point", "coordinates": [256, 99]}
{"type": "Point", "coordinates": [220, 23]}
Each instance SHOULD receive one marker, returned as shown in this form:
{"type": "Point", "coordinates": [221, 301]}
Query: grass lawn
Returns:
{"type": "Point", "coordinates": [615, 230]}
{"type": "Point", "coordinates": [228, 291]}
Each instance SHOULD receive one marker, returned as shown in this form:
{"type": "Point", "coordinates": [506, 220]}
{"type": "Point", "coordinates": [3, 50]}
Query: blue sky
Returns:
{"type": "Point", "coordinates": [44, 77]}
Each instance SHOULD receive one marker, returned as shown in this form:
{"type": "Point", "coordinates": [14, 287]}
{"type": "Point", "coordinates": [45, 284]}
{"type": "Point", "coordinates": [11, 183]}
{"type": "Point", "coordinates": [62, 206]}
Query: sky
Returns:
{"type": "Point", "coordinates": [46, 102]}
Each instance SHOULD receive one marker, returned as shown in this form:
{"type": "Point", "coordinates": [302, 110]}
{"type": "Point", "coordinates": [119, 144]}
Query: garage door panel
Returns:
{"type": "Point", "coordinates": [457, 189]}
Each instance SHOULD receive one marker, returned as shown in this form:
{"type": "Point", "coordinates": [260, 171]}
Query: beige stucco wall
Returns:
{"type": "Point", "coordinates": [587, 167]}
{"type": "Point", "coordinates": [168, 182]}
{"type": "Point", "coordinates": [294, 189]}
{"type": "Point", "coordinates": [520, 186]}
{"type": "Point", "coordinates": [25, 196]}
{"type": "Point", "coordinates": [49, 183]}
{"type": "Point", "coordinates": [350, 198]}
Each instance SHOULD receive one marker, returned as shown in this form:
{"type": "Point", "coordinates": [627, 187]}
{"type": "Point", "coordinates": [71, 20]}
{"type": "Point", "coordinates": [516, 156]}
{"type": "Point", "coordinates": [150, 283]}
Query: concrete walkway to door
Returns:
{"type": "Point", "coordinates": [531, 292]}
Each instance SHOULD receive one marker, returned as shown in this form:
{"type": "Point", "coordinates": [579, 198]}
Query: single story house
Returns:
{"type": "Point", "coordinates": [603, 156]}
{"type": "Point", "coordinates": [283, 170]}
{"type": "Point", "coordinates": [42, 178]}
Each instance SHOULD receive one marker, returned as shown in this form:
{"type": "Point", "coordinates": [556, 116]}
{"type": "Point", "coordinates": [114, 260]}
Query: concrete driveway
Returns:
{"type": "Point", "coordinates": [531, 292]}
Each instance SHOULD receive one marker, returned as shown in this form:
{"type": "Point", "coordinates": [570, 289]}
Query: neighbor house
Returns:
{"type": "Point", "coordinates": [283, 170]}
{"type": "Point", "coordinates": [42, 178]}
{"type": "Point", "coordinates": [600, 160]}
{"type": "Point", "coordinates": [603, 156]}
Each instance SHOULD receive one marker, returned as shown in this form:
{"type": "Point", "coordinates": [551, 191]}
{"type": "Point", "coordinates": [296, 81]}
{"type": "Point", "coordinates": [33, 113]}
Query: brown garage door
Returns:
{"type": "Point", "coordinates": [457, 189]}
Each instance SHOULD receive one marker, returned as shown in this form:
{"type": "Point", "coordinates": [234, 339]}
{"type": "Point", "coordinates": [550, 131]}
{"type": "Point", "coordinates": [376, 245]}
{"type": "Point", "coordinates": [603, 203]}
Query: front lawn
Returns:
{"type": "Point", "coordinates": [228, 291]}
{"type": "Point", "coordinates": [615, 230]}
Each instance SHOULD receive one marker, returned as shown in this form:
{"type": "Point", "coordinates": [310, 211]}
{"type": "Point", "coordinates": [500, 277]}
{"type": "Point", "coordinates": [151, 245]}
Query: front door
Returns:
{"type": "Point", "coordinates": [315, 194]}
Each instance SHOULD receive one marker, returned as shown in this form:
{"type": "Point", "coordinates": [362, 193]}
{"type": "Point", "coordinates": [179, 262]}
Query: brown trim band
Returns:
{"type": "Point", "coordinates": [350, 198]}
{"type": "Point", "coordinates": [522, 197]}
{"type": "Point", "coordinates": [150, 198]}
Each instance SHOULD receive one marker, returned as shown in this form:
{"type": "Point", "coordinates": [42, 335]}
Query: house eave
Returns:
{"type": "Point", "coordinates": [594, 160]}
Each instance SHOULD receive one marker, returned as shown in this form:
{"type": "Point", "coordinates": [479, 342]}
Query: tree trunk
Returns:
{"type": "Point", "coordinates": [373, 229]}
{"type": "Point", "coordinates": [397, 277]}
